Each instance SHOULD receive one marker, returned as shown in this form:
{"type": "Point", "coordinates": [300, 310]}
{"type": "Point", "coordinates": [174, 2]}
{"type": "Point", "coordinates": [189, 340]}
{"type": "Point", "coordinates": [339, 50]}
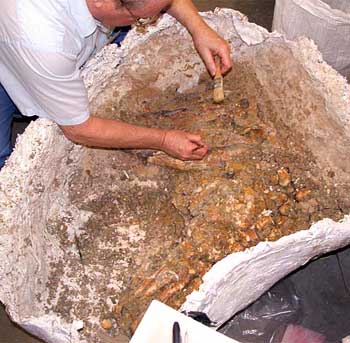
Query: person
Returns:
{"type": "Point", "coordinates": [43, 45]}
{"type": "Point", "coordinates": [7, 110]}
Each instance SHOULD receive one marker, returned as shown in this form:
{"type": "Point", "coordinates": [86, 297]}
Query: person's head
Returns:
{"type": "Point", "coordinates": [125, 12]}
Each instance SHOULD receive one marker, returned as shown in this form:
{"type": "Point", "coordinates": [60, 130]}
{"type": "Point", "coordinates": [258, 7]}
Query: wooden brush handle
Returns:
{"type": "Point", "coordinates": [218, 66]}
{"type": "Point", "coordinates": [218, 92]}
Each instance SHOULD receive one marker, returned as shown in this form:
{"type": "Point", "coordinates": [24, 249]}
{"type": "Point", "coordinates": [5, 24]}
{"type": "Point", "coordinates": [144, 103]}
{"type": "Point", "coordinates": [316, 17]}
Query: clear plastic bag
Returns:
{"type": "Point", "coordinates": [266, 320]}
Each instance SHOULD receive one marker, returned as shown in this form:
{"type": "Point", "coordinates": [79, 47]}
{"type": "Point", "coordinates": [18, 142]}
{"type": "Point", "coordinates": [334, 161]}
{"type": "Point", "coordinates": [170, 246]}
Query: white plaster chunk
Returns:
{"type": "Point", "coordinates": [52, 329]}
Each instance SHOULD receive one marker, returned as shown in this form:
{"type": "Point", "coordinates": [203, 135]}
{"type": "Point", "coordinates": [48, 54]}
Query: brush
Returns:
{"type": "Point", "coordinates": [218, 93]}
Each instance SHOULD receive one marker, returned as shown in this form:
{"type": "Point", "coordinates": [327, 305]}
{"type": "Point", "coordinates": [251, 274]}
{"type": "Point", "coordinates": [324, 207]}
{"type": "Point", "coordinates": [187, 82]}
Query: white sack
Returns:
{"type": "Point", "coordinates": [326, 22]}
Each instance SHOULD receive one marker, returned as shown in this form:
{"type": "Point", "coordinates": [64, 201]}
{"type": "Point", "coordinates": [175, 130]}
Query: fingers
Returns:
{"type": "Point", "coordinates": [223, 51]}
{"type": "Point", "coordinates": [197, 149]}
{"type": "Point", "coordinates": [195, 138]}
{"type": "Point", "coordinates": [225, 57]}
{"type": "Point", "coordinates": [210, 44]}
{"type": "Point", "coordinates": [208, 59]}
{"type": "Point", "coordinates": [194, 152]}
{"type": "Point", "coordinates": [200, 152]}
{"type": "Point", "coordinates": [184, 146]}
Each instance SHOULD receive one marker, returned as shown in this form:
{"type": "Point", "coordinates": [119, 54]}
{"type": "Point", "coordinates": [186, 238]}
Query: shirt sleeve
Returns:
{"type": "Point", "coordinates": [53, 83]}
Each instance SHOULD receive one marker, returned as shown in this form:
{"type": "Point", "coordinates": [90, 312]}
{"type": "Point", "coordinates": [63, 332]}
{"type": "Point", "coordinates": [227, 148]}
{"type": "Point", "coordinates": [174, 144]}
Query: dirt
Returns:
{"type": "Point", "coordinates": [158, 224]}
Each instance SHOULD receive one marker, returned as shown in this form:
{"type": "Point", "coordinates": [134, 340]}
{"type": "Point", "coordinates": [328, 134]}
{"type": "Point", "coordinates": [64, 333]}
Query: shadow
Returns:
{"type": "Point", "coordinates": [11, 332]}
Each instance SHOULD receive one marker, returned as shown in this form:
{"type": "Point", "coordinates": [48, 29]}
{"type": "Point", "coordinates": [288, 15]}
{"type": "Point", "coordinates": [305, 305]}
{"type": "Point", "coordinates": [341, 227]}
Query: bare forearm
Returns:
{"type": "Point", "coordinates": [107, 133]}
{"type": "Point", "coordinates": [186, 13]}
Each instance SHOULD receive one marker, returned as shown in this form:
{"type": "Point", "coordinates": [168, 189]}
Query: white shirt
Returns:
{"type": "Point", "coordinates": [43, 43]}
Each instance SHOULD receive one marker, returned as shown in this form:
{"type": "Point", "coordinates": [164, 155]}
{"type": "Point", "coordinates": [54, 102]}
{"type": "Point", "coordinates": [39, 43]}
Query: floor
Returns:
{"type": "Point", "coordinates": [258, 11]}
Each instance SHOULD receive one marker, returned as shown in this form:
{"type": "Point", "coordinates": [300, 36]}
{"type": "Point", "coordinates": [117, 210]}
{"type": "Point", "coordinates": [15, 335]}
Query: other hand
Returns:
{"type": "Point", "coordinates": [184, 145]}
